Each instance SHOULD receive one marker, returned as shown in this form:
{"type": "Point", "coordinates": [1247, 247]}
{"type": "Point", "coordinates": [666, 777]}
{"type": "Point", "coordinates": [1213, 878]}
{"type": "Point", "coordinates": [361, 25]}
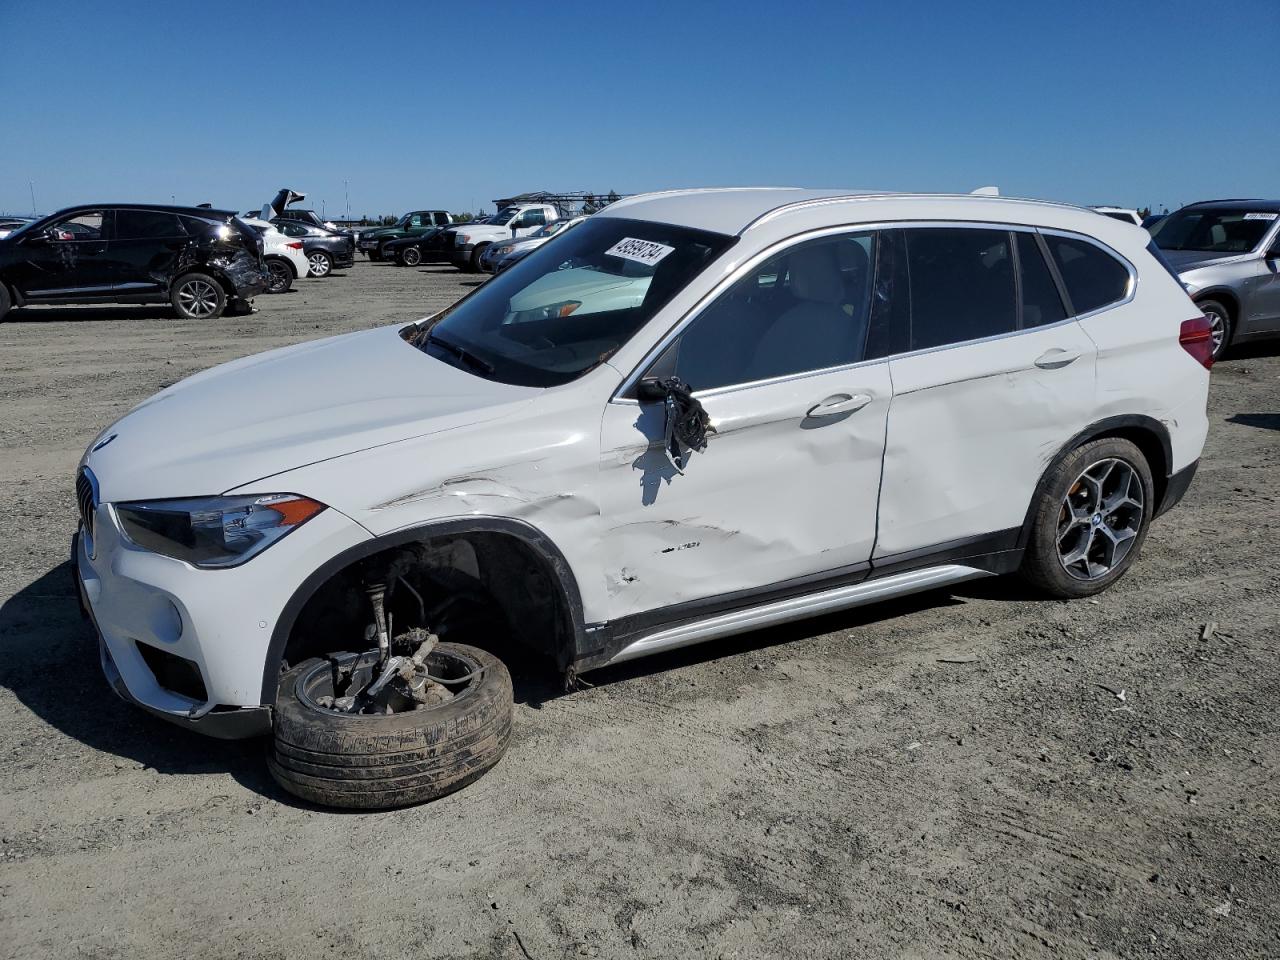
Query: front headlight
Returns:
{"type": "Point", "coordinates": [463, 238]}
{"type": "Point", "coordinates": [214, 532]}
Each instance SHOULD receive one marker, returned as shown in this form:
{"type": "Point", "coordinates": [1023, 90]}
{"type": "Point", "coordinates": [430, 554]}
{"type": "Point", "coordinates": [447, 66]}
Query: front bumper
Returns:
{"type": "Point", "coordinates": [148, 609]}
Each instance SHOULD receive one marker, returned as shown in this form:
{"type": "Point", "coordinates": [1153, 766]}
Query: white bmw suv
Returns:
{"type": "Point", "coordinates": [696, 414]}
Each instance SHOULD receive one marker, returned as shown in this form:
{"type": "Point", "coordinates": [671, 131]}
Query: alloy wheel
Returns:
{"type": "Point", "coordinates": [199, 299]}
{"type": "Point", "coordinates": [1100, 519]}
{"type": "Point", "coordinates": [279, 276]}
{"type": "Point", "coordinates": [319, 264]}
{"type": "Point", "coordinates": [1217, 329]}
{"type": "Point", "coordinates": [411, 257]}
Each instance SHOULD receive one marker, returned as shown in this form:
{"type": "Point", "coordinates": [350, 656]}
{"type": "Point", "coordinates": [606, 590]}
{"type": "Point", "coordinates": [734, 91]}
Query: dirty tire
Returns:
{"type": "Point", "coordinates": [1042, 566]}
{"type": "Point", "coordinates": [378, 762]}
{"type": "Point", "coordinates": [1220, 324]}
{"type": "Point", "coordinates": [410, 257]}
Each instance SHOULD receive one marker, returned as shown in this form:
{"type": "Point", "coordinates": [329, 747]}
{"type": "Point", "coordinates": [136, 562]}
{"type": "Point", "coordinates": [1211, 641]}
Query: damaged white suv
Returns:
{"type": "Point", "coordinates": [696, 414]}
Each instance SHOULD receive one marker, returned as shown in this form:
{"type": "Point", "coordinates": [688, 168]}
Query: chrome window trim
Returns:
{"type": "Point", "coordinates": [785, 243]}
{"type": "Point", "coordinates": [1131, 289]}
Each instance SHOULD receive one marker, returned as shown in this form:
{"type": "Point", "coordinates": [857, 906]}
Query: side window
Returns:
{"type": "Point", "coordinates": [801, 310]}
{"type": "Point", "coordinates": [415, 220]}
{"type": "Point", "coordinates": [535, 218]}
{"type": "Point", "coordinates": [961, 283]}
{"type": "Point", "coordinates": [292, 229]}
{"type": "Point", "coordinates": [1041, 303]}
{"type": "Point", "coordinates": [1092, 277]}
{"type": "Point", "coordinates": [146, 225]}
{"type": "Point", "coordinates": [83, 226]}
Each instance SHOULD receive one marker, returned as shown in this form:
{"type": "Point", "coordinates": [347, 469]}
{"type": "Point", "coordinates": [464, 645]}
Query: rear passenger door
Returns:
{"type": "Point", "coordinates": [990, 380]}
{"type": "Point", "coordinates": [146, 251]}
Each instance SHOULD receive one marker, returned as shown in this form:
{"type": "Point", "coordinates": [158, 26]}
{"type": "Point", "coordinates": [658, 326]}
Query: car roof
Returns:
{"type": "Point", "coordinates": [733, 210]}
{"type": "Point", "coordinates": [1261, 206]}
{"type": "Point", "coordinates": [158, 207]}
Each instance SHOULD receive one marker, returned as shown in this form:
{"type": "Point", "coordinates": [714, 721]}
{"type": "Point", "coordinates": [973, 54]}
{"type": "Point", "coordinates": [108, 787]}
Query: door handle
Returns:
{"type": "Point", "coordinates": [839, 403]}
{"type": "Point", "coordinates": [1056, 358]}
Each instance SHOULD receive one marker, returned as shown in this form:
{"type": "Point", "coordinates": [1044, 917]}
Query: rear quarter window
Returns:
{"type": "Point", "coordinates": [1094, 278]}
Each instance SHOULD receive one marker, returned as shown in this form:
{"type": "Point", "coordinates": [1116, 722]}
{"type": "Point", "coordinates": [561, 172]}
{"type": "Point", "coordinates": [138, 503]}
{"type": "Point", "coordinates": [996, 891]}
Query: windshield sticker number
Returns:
{"type": "Point", "coordinates": [1261, 216]}
{"type": "Point", "coordinates": [641, 251]}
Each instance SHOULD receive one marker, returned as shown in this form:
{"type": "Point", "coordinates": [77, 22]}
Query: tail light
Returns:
{"type": "Point", "coordinates": [295, 245]}
{"type": "Point", "coordinates": [1196, 337]}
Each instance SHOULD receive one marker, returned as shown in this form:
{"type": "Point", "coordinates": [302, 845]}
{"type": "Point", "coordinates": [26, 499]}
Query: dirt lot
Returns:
{"type": "Point", "coordinates": [950, 776]}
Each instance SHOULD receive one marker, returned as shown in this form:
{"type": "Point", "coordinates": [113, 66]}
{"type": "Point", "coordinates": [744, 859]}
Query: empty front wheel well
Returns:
{"type": "Point", "coordinates": [504, 571]}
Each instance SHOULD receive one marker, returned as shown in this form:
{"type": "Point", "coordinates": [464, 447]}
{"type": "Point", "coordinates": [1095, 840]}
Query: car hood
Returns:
{"type": "Point", "coordinates": [288, 408]}
{"type": "Point", "coordinates": [378, 232]}
{"type": "Point", "coordinates": [1184, 260]}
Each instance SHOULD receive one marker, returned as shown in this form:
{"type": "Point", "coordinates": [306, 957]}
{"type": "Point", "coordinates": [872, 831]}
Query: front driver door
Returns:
{"type": "Point", "coordinates": [783, 498]}
{"type": "Point", "coordinates": [69, 260]}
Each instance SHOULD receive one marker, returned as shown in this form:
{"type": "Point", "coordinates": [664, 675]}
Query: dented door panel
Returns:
{"type": "Point", "coordinates": [972, 428]}
{"type": "Point", "coordinates": [776, 493]}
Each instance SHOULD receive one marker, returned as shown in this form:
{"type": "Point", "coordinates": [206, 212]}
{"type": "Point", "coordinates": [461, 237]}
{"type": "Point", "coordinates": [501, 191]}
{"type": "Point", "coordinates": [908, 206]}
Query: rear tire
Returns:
{"type": "Point", "coordinates": [6, 304]}
{"type": "Point", "coordinates": [1090, 519]}
{"type": "Point", "coordinates": [197, 296]}
{"type": "Point", "coordinates": [321, 264]}
{"type": "Point", "coordinates": [373, 762]}
{"type": "Point", "coordinates": [410, 257]}
{"type": "Point", "coordinates": [1220, 324]}
{"type": "Point", "coordinates": [279, 276]}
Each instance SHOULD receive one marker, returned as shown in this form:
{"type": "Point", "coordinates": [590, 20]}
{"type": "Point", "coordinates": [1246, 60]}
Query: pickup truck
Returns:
{"type": "Point", "coordinates": [470, 240]}
{"type": "Point", "coordinates": [373, 242]}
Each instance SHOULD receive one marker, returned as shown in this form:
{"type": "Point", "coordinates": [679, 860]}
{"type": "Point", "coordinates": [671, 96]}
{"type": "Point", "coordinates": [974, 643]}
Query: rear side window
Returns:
{"type": "Point", "coordinates": [961, 283]}
{"type": "Point", "coordinates": [1041, 303]}
{"type": "Point", "coordinates": [1094, 279]}
{"type": "Point", "coordinates": [147, 225]}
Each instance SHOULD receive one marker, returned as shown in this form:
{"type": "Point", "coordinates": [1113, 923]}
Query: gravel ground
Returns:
{"type": "Point", "coordinates": [949, 776]}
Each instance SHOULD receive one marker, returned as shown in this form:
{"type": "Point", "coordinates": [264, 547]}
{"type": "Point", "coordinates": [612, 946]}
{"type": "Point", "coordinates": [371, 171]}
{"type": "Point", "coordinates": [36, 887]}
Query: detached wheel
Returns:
{"type": "Point", "coordinates": [410, 257]}
{"type": "Point", "coordinates": [1090, 520]}
{"type": "Point", "coordinates": [279, 276]}
{"type": "Point", "coordinates": [1220, 326]}
{"type": "Point", "coordinates": [372, 762]}
{"type": "Point", "coordinates": [321, 264]}
{"type": "Point", "coordinates": [197, 296]}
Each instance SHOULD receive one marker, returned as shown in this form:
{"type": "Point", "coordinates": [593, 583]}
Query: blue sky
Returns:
{"type": "Point", "coordinates": [435, 104]}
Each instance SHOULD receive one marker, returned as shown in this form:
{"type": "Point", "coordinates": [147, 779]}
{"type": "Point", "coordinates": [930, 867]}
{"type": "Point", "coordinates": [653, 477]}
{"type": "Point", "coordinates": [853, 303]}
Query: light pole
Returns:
{"type": "Point", "coordinates": [32, 187]}
{"type": "Point", "coordinates": [346, 195]}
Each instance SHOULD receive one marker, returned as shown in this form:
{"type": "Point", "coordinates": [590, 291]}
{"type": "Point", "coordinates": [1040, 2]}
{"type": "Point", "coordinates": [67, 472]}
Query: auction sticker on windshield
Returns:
{"type": "Point", "coordinates": [641, 251]}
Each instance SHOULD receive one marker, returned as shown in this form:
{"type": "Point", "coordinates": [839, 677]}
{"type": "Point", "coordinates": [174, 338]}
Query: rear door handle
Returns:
{"type": "Point", "coordinates": [839, 403]}
{"type": "Point", "coordinates": [1056, 358]}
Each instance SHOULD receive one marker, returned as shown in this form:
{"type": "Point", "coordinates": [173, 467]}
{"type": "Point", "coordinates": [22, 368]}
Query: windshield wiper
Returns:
{"type": "Point", "coordinates": [462, 353]}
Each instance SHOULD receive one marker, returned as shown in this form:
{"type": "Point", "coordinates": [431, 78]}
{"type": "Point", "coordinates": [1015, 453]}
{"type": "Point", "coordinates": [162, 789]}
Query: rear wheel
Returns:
{"type": "Point", "coordinates": [1220, 326]}
{"type": "Point", "coordinates": [279, 276]}
{"type": "Point", "coordinates": [197, 296]}
{"type": "Point", "coordinates": [321, 263]}
{"type": "Point", "coordinates": [1091, 518]}
{"type": "Point", "coordinates": [5, 303]}
{"type": "Point", "coordinates": [410, 257]}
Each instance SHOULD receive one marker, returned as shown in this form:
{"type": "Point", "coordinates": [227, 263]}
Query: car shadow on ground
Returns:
{"type": "Point", "coordinates": [49, 660]}
{"type": "Point", "coordinates": [89, 314]}
{"type": "Point", "coordinates": [1253, 351]}
{"type": "Point", "coordinates": [1264, 421]}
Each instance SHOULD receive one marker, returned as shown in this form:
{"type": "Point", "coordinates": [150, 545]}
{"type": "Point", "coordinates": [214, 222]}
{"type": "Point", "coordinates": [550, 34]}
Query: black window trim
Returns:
{"type": "Point", "coordinates": [625, 393]}
{"type": "Point", "coordinates": [115, 211]}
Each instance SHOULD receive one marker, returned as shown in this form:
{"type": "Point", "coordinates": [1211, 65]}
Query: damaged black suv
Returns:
{"type": "Point", "coordinates": [201, 261]}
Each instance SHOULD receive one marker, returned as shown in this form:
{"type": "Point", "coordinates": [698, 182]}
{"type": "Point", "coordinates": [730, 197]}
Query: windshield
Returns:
{"type": "Point", "coordinates": [1212, 231]}
{"type": "Point", "coordinates": [569, 305]}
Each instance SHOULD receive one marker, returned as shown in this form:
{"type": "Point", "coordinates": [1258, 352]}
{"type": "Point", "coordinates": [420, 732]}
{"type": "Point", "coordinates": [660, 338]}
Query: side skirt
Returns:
{"type": "Point", "coordinates": [798, 608]}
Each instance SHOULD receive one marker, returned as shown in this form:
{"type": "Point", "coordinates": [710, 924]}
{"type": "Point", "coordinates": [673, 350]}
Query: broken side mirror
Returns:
{"type": "Point", "coordinates": [686, 423]}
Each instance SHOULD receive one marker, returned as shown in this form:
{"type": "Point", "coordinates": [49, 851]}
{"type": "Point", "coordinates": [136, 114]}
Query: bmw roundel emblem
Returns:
{"type": "Point", "coordinates": [103, 442]}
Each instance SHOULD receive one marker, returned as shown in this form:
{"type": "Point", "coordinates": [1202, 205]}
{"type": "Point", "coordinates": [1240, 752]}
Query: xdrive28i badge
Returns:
{"type": "Point", "coordinates": [103, 442]}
